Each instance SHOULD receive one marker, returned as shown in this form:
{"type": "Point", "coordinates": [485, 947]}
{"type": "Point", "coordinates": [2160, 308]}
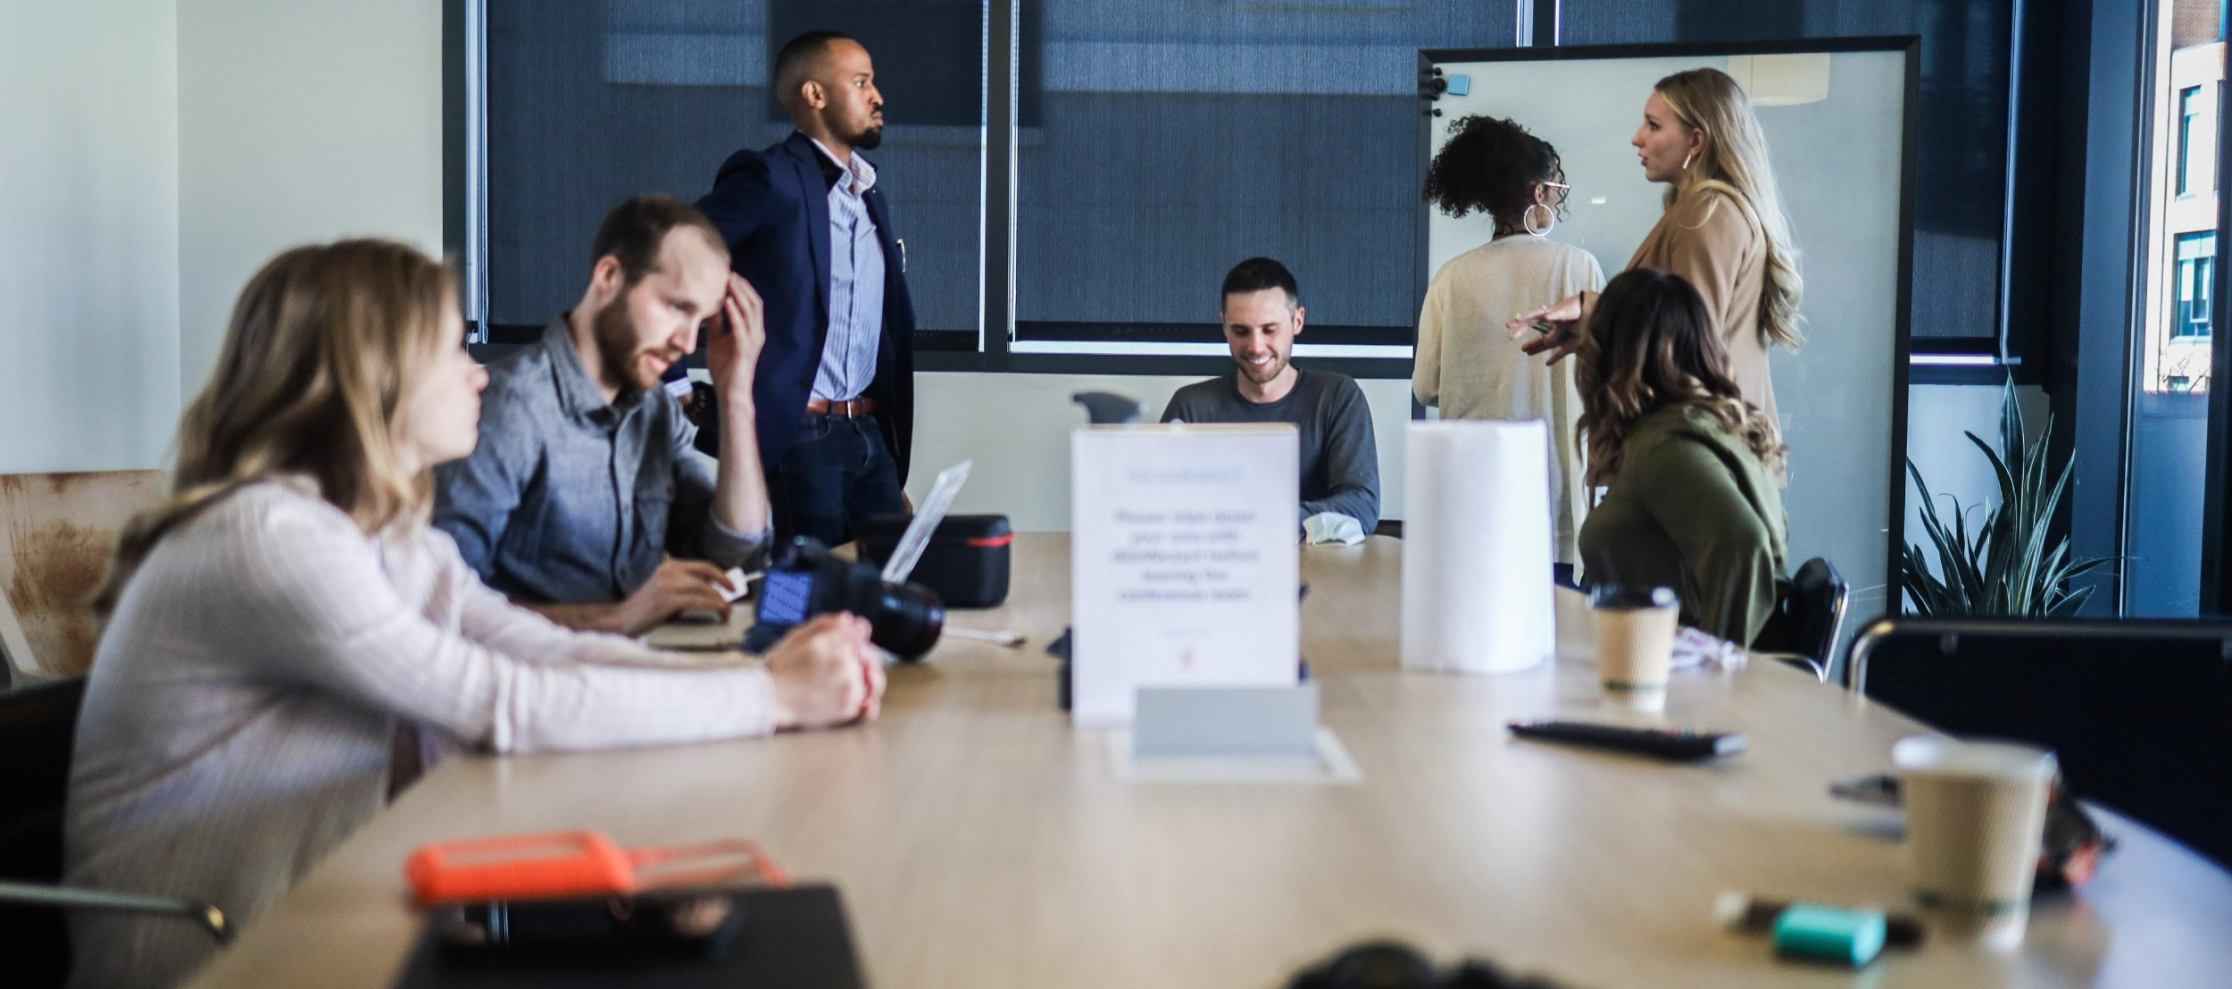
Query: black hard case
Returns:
{"type": "Point", "coordinates": [966, 563]}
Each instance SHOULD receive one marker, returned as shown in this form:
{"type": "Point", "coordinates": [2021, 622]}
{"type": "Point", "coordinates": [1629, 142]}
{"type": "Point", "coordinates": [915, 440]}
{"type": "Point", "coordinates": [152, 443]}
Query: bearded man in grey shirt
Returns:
{"type": "Point", "coordinates": [585, 499]}
{"type": "Point", "coordinates": [1262, 314]}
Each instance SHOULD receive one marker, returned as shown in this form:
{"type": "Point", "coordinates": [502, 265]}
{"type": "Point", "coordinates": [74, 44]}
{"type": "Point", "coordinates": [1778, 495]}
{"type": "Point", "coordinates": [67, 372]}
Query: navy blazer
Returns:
{"type": "Point", "coordinates": [772, 207]}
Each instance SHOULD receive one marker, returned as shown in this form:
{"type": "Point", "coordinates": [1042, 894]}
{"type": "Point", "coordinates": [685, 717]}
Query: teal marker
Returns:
{"type": "Point", "coordinates": [1844, 935]}
{"type": "Point", "coordinates": [1852, 937]}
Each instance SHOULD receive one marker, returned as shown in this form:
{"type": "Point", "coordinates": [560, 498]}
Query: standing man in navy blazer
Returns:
{"type": "Point", "coordinates": [807, 226]}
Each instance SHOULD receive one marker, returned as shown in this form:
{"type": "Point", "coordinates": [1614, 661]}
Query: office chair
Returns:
{"type": "Point", "coordinates": [37, 728]}
{"type": "Point", "coordinates": [1809, 615]}
{"type": "Point", "coordinates": [2139, 713]}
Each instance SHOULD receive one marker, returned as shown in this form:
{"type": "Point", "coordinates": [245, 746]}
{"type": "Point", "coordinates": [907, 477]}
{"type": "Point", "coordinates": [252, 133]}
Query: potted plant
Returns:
{"type": "Point", "coordinates": [2010, 563]}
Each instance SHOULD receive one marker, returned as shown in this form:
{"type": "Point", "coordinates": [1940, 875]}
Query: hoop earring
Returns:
{"type": "Point", "coordinates": [1527, 219]}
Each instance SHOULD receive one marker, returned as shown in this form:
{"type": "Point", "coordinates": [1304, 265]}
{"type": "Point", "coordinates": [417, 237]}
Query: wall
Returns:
{"type": "Point", "coordinates": [1016, 428]}
{"type": "Point", "coordinates": [298, 121]}
{"type": "Point", "coordinates": [89, 266]}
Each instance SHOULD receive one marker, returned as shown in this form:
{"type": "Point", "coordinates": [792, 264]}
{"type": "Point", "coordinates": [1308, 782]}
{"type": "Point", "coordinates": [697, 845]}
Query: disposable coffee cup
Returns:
{"type": "Point", "coordinates": [1634, 636]}
{"type": "Point", "coordinates": [1975, 813]}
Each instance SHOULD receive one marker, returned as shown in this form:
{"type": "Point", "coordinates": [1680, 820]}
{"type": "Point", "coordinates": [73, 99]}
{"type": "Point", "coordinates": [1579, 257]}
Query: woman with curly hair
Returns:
{"type": "Point", "coordinates": [1691, 500]}
{"type": "Point", "coordinates": [1464, 366]}
{"type": "Point", "coordinates": [1723, 230]}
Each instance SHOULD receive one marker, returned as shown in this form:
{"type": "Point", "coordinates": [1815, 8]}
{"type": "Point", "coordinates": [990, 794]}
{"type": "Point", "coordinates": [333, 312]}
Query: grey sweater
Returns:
{"type": "Point", "coordinates": [1340, 463]}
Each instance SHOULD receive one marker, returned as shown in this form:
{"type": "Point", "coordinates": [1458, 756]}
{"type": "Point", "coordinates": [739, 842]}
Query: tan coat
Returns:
{"type": "Point", "coordinates": [1710, 239]}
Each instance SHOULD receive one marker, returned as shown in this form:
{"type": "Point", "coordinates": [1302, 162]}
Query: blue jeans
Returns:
{"type": "Point", "coordinates": [836, 473]}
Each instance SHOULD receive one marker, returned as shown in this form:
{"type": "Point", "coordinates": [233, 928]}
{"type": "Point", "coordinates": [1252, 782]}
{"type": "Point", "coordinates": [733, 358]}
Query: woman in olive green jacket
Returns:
{"type": "Point", "coordinates": [1692, 501]}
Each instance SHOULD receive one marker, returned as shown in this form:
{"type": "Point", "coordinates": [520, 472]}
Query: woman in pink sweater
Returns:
{"type": "Point", "coordinates": [287, 623]}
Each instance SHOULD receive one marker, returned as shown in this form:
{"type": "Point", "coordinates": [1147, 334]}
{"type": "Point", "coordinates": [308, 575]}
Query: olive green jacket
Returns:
{"type": "Point", "coordinates": [1692, 509]}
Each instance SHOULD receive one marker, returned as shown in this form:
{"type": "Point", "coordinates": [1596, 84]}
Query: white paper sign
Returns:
{"type": "Point", "coordinates": [1184, 561]}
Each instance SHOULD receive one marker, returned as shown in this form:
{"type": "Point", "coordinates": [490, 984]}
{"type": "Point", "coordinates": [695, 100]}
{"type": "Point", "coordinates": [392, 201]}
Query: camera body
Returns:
{"type": "Point", "coordinates": [805, 579]}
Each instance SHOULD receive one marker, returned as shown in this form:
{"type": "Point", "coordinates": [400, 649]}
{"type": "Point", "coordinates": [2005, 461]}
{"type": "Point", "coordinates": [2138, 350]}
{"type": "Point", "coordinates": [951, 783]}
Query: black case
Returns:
{"type": "Point", "coordinates": [794, 937]}
{"type": "Point", "coordinates": [966, 563]}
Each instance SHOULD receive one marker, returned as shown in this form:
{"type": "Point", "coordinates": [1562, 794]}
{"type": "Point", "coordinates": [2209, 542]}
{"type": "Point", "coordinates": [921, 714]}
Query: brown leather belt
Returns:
{"type": "Point", "coordinates": [850, 408]}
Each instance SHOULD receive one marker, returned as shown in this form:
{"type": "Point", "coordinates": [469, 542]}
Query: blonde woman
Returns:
{"type": "Point", "coordinates": [287, 627]}
{"type": "Point", "coordinates": [1464, 366]}
{"type": "Point", "coordinates": [1723, 230]}
{"type": "Point", "coordinates": [1687, 465]}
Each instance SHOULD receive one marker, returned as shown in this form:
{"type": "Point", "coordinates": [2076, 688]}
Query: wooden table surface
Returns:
{"type": "Point", "coordinates": [979, 840]}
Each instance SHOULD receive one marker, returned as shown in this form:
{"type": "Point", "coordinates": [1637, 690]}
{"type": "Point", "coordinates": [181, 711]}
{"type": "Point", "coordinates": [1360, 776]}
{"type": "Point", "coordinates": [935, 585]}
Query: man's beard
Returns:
{"type": "Point", "coordinates": [616, 346]}
{"type": "Point", "coordinates": [867, 139]}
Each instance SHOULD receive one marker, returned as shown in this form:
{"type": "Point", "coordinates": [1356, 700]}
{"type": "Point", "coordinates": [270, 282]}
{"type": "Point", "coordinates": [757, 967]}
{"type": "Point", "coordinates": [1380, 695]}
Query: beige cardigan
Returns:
{"type": "Point", "coordinates": [1467, 367]}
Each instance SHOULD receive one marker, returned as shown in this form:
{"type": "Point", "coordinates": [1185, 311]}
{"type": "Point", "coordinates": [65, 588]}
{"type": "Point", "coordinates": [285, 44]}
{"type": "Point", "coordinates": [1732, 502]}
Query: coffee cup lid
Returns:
{"type": "Point", "coordinates": [1630, 597]}
{"type": "Point", "coordinates": [1936, 755]}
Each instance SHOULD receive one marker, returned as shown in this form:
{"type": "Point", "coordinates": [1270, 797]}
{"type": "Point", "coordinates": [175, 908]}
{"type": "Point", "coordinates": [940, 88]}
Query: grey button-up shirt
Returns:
{"type": "Point", "coordinates": [856, 284]}
{"type": "Point", "coordinates": [569, 500]}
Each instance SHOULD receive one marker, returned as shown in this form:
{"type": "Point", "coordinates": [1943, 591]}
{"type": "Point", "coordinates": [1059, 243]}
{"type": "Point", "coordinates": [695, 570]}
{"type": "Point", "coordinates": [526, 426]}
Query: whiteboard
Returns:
{"type": "Point", "coordinates": [1837, 146]}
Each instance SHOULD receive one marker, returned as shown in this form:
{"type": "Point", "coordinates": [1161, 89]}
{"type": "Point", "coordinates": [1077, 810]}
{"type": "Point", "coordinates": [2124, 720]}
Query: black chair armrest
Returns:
{"type": "Point", "coordinates": [204, 915]}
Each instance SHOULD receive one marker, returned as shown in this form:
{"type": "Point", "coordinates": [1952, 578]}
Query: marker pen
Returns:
{"type": "Point", "coordinates": [1845, 934]}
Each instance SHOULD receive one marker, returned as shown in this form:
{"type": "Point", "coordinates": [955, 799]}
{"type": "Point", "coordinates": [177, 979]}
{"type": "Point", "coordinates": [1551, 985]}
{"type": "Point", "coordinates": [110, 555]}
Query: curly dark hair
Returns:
{"type": "Point", "coordinates": [1492, 165]}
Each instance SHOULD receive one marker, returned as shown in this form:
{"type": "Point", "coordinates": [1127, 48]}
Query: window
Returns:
{"type": "Point", "coordinates": [2196, 271]}
{"type": "Point", "coordinates": [2172, 352]}
{"type": "Point", "coordinates": [589, 103]}
{"type": "Point", "coordinates": [1175, 138]}
{"type": "Point", "coordinates": [1072, 175]}
{"type": "Point", "coordinates": [2167, 433]}
{"type": "Point", "coordinates": [2191, 150]}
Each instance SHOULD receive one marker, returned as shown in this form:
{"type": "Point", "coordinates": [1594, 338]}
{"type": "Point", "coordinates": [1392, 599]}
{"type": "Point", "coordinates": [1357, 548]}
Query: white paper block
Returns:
{"type": "Point", "coordinates": [1183, 562]}
{"type": "Point", "coordinates": [1476, 547]}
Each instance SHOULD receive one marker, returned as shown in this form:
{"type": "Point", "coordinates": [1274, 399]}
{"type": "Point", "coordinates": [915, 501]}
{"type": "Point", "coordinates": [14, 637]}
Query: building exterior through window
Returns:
{"type": "Point", "coordinates": [2181, 248]}
{"type": "Point", "coordinates": [2168, 425]}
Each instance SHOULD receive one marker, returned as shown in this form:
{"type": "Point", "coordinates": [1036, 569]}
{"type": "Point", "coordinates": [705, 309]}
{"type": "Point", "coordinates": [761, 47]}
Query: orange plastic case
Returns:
{"type": "Point", "coordinates": [564, 864]}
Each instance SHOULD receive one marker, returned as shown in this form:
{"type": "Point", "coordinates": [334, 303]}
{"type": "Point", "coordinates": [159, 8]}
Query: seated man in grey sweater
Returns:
{"type": "Point", "coordinates": [1262, 314]}
{"type": "Point", "coordinates": [585, 499]}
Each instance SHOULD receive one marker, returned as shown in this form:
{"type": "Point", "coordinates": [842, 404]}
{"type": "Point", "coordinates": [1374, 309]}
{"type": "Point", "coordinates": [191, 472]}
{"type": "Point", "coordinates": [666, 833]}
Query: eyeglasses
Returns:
{"type": "Point", "coordinates": [1561, 189]}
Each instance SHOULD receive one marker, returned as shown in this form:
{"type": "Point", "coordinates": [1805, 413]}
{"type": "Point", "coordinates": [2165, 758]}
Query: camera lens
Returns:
{"type": "Point", "coordinates": [904, 619]}
{"type": "Point", "coordinates": [907, 620]}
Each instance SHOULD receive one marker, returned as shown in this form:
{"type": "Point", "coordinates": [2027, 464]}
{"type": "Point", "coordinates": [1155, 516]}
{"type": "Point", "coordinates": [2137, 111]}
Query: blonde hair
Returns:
{"type": "Point", "coordinates": [308, 381]}
{"type": "Point", "coordinates": [1734, 163]}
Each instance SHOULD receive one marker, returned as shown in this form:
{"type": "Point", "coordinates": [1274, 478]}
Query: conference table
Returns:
{"type": "Point", "coordinates": [978, 839]}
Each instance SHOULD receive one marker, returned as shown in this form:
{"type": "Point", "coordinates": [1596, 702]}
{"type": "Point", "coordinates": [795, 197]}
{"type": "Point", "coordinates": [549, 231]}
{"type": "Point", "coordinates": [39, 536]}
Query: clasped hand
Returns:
{"type": "Point", "coordinates": [826, 673]}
